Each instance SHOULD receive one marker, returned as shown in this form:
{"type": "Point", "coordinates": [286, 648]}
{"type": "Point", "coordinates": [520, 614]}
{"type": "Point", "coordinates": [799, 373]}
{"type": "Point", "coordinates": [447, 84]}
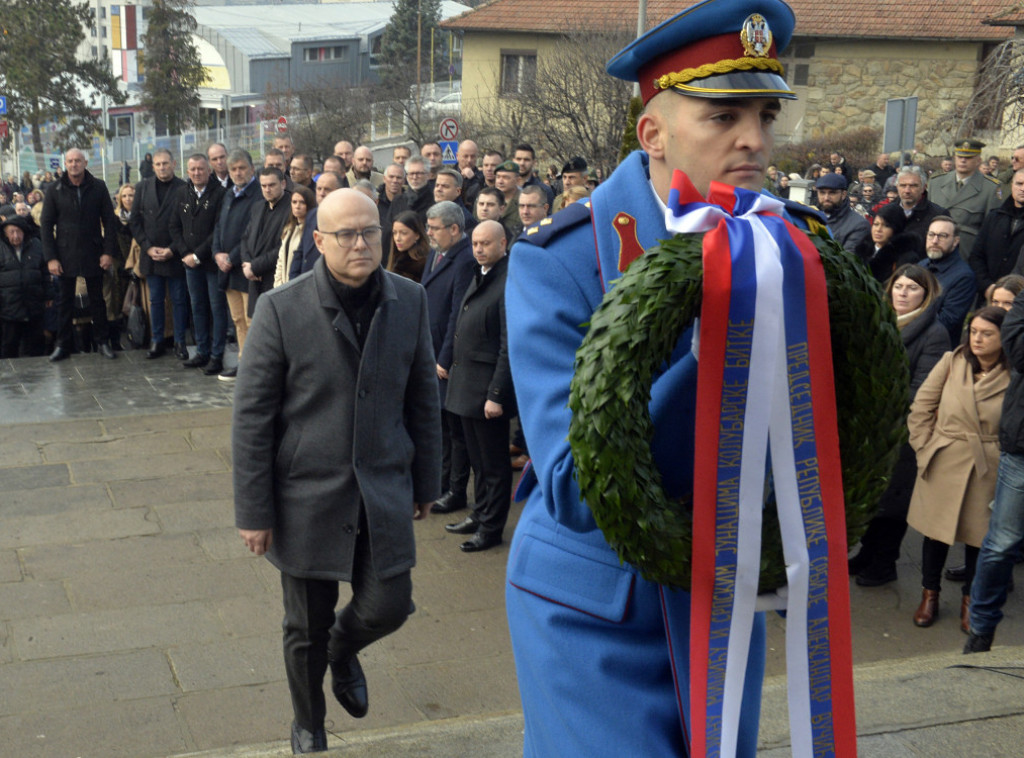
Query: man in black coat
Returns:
{"type": "Point", "coordinates": [262, 240]}
{"type": "Point", "coordinates": [155, 203]}
{"type": "Point", "coordinates": [997, 247]}
{"type": "Point", "coordinates": [192, 225]}
{"type": "Point", "coordinates": [911, 184]}
{"type": "Point", "coordinates": [446, 277]}
{"type": "Point", "coordinates": [79, 236]}
{"type": "Point", "coordinates": [235, 210]}
{"type": "Point", "coordinates": [480, 389]}
{"type": "Point", "coordinates": [336, 447]}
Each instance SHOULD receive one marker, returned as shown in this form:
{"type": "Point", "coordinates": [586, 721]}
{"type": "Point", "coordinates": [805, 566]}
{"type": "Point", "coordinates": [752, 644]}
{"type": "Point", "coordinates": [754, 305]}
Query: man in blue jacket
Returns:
{"type": "Point", "coordinates": [602, 654]}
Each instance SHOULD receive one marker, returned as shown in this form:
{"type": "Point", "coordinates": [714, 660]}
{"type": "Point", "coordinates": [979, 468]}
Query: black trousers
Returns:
{"type": "Point", "coordinates": [933, 560]}
{"type": "Point", "coordinates": [313, 631]}
{"type": "Point", "coordinates": [454, 456]}
{"type": "Point", "coordinates": [487, 443]}
{"type": "Point", "coordinates": [22, 338]}
{"type": "Point", "coordinates": [97, 309]}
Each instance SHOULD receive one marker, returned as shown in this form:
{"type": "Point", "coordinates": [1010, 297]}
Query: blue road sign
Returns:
{"type": "Point", "coordinates": [448, 152]}
{"type": "Point", "coordinates": [3, 105]}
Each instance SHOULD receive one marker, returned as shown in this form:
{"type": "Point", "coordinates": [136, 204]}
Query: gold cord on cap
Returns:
{"type": "Point", "coordinates": [667, 81]}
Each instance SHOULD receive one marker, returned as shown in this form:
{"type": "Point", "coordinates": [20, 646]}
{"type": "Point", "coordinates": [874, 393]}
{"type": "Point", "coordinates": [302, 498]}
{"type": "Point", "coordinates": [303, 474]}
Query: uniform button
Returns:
{"type": "Point", "coordinates": [362, 393]}
{"type": "Point", "coordinates": [349, 529]}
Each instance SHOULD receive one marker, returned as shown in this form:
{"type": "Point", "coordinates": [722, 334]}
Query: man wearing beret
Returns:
{"type": "Point", "coordinates": [603, 654]}
{"type": "Point", "coordinates": [574, 173]}
{"type": "Point", "coordinates": [848, 228]}
{"type": "Point", "coordinates": [967, 194]}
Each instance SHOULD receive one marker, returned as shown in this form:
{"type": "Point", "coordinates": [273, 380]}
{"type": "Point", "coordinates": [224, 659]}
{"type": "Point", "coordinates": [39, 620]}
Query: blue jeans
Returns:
{"type": "Point", "coordinates": [207, 300]}
{"type": "Point", "coordinates": [158, 286]}
{"type": "Point", "coordinates": [1000, 547]}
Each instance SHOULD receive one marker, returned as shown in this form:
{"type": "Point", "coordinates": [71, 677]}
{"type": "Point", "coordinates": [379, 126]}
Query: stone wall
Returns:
{"type": "Point", "coordinates": [850, 82]}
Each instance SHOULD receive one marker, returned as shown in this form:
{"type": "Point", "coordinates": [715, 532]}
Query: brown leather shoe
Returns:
{"type": "Point", "coordinates": [928, 611]}
{"type": "Point", "coordinates": [965, 614]}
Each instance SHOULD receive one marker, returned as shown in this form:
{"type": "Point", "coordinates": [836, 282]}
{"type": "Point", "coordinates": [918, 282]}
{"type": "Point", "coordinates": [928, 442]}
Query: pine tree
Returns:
{"type": "Point", "coordinates": [398, 46]}
{"type": "Point", "coordinates": [171, 65]}
{"type": "Point", "coordinates": [40, 74]}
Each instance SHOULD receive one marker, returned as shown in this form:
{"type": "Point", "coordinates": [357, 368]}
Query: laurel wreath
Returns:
{"type": "Point", "coordinates": [631, 335]}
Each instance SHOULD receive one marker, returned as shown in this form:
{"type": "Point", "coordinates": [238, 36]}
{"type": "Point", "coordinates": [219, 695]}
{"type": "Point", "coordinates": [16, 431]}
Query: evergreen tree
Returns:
{"type": "Point", "coordinates": [42, 78]}
{"type": "Point", "coordinates": [398, 47]}
{"type": "Point", "coordinates": [171, 65]}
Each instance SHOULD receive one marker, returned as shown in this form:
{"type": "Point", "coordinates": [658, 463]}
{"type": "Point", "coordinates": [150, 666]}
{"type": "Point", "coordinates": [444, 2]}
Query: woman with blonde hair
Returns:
{"type": "Point", "coordinates": [303, 201]}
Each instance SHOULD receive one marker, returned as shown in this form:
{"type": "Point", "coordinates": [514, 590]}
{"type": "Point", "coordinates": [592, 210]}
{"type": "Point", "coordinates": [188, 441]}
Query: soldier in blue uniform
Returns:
{"type": "Point", "coordinates": [601, 653]}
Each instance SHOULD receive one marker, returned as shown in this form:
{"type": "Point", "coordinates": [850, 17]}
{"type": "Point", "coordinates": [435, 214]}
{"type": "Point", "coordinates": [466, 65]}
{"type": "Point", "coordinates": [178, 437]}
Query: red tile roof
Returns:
{"type": "Point", "coordinates": [959, 20]}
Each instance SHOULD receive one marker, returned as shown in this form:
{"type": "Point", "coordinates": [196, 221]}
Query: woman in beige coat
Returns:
{"type": "Point", "coordinates": [954, 427]}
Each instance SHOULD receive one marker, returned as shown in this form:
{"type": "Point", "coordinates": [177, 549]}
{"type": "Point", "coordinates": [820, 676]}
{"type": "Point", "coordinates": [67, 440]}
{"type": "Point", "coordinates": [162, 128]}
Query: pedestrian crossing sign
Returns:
{"type": "Point", "coordinates": [448, 151]}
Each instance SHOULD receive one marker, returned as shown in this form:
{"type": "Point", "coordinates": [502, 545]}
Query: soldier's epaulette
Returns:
{"type": "Point", "coordinates": [992, 179]}
{"type": "Point", "coordinates": [810, 216]}
{"type": "Point", "coordinates": [547, 229]}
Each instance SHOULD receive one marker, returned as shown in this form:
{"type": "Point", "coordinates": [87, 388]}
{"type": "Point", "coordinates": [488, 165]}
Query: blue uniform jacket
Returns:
{"type": "Point", "coordinates": [560, 563]}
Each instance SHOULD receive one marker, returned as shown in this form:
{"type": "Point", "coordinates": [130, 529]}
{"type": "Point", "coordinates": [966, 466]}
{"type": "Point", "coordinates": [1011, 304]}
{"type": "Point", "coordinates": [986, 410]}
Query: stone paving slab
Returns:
{"type": "Point", "coordinates": [52, 500]}
{"type": "Point", "coordinates": [76, 526]}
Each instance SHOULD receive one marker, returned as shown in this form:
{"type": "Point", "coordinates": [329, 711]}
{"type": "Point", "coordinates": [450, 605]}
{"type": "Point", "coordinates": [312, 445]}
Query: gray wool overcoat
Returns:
{"type": "Point", "coordinates": [320, 427]}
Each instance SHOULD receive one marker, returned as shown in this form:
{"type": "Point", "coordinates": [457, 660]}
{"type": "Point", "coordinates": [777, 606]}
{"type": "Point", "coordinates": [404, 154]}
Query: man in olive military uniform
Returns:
{"type": "Point", "coordinates": [966, 193]}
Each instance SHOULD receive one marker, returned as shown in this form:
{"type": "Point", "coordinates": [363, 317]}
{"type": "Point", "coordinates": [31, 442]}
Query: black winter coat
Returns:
{"type": "Point", "coordinates": [997, 247]}
{"type": "Point", "coordinates": [23, 284]}
{"type": "Point", "coordinates": [227, 237]}
{"type": "Point", "coordinates": [1011, 423]}
{"type": "Point", "coordinates": [193, 222]}
{"type": "Point", "coordinates": [926, 341]}
{"type": "Point", "coordinates": [77, 225]}
{"type": "Point", "coordinates": [262, 243]}
{"type": "Point", "coordinates": [150, 223]}
{"type": "Point", "coordinates": [480, 369]}
{"type": "Point", "coordinates": [902, 248]}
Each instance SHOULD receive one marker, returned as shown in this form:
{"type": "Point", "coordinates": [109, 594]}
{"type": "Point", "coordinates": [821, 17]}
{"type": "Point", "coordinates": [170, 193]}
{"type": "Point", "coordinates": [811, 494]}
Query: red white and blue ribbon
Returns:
{"type": "Point", "coordinates": [765, 406]}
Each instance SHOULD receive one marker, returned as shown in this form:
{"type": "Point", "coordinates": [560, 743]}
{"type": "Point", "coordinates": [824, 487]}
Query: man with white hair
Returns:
{"type": "Point", "coordinates": [79, 235]}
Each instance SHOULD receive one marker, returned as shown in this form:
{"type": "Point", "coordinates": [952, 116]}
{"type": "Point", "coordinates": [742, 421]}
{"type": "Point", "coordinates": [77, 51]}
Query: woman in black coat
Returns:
{"type": "Point", "coordinates": [23, 290]}
{"type": "Point", "coordinates": [889, 245]}
{"type": "Point", "coordinates": [915, 295]}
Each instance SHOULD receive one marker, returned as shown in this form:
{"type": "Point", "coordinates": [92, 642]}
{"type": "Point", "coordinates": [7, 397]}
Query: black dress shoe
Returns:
{"type": "Point", "coordinates": [215, 366]}
{"type": "Point", "coordinates": [480, 542]}
{"type": "Point", "coordinates": [449, 502]}
{"type": "Point", "coordinates": [305, 741]}
{"type": "Point", "coordinates": [957, 573]}
{"type": "Point", "coordinates": [875, 576]}
{"type": "Point", "coordinates": [59, 354]}
{"type": "Point", "coordinates": [156, 349]}
{"type": "Point", "coordinates": [348, 683]}
{"type": "Point", "coordinates": [196, 361]}
{"type": "Point", "coordinates": [107, 351]}
{"type": "Point", "coordinates": [977, 643]}
{"type": "Point", "coordinates": [228, 374]}
{"type": "Point", "coordinates": [466, 526]}
{"type": "Point", "coordinates": [180, 351]}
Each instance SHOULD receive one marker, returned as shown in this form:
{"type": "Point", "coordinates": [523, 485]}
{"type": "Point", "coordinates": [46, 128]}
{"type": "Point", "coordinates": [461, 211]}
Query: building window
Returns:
{"type": "Point", "coordinates": [797, 60]}
{"type": "Point", "coordinates": [375, 51]}
{"type": "Point", "coordinates": [325, 54]}
{"type": "Point", "coordinates": [518, 71]}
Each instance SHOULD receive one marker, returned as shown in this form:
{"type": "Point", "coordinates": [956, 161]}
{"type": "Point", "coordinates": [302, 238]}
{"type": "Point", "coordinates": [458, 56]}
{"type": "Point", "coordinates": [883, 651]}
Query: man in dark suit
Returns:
{"type": "Point", "coordinates": [336, 446]}
{"type": "Point", "coordinates": [235, 210]}
{"type": "Point", "coordinates": [150, 222]}
{"type": "Point", "coordinates": [192, 228]}
{"type": "Point", "coordinates": [78, 231]}
{"type": "Point", "coordinates": [480, 389]}
{"type": "Point", "coordinates": [446, 278]}
{"type": "Point", "coordinates": [262, 241]}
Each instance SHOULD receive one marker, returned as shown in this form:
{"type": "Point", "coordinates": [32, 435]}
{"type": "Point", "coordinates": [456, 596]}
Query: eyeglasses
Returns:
{"type": "Point", "coordinates": [415, 173]}
{"type": "Point", "coordinates": [939, 235]}
{"type": "Point", "coordinates": [346, 238]}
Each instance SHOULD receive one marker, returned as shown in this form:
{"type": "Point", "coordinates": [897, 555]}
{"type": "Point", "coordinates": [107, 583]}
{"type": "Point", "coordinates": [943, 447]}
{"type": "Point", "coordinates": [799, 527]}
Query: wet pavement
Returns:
{"type": "Point", "coordinates": [134, 623]}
